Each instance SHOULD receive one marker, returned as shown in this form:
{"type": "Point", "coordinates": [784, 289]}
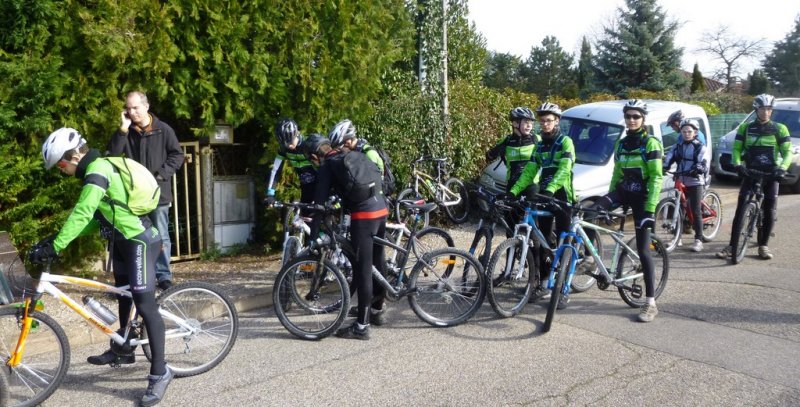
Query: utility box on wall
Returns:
{"type": "Point", "coordinates": [234, 210]}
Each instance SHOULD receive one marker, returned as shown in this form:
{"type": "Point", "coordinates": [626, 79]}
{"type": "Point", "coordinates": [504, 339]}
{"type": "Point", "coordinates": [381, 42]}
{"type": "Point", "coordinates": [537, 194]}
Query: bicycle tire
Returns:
{"type": "Point", "coordinates": [558, 286]}
{"type": "Point", "coordinates": [44, 364]}
{"type": "Point", "coordinates": [291, 248]}
{"type": "Point", "coordinates": [311, 315]}
{"type": "Point", "coordinates": [458, 213]}
{"type": "Point", "coordinates": [582, 282]}
{"type": "Point", "coordinates": [668, 223]}
{"type": "Point", "coordinates": [447, 287]}
{"type": "Point", "coordinates": [3, 386]}
{"type": "Point", "coordinates": [402, 215]}
{"type": "Point", "coordinates": [508, 295]}
{"type": "Point", "coordinates": [626, 265]}
{"type": "Point", "coordinates": [207, 308]}
{"type": "Point", "coordinates": [740, 238]}
{"type": "Point", "coordinates": [712, 224]}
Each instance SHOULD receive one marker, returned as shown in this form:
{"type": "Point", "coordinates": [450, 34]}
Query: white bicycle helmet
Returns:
{"type": "Point", "coordinates": [690, 122]}
{"type": "Point", "coordinates": [636, 104]}
{"type": "Point", "coordinates": [342, 131]}
{"type": "Point", "coordinates": [58, 143]}
{"type": "Point", "coordinates": [763, 100]}
{"type": "Point", "coordinates": [549, 108]}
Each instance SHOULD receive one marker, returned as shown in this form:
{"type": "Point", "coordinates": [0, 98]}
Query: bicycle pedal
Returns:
{"type": "Point", "coordinates": [636, 291]}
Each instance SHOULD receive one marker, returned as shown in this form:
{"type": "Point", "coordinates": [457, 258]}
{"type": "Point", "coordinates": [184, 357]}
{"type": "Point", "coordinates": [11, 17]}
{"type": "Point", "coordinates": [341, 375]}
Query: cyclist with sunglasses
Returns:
{"type": "Point", "coordinates": [636, 183]}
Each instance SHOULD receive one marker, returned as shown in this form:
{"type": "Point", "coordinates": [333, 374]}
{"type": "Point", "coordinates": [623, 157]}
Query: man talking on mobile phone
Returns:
{"type": "Point", "coordinates": [151, 142]}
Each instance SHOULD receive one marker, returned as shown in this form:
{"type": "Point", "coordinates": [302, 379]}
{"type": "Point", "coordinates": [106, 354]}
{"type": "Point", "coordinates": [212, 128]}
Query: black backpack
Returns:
{"type": "Point", "coordinates": [389, 186]}
{"type": "Point", "coordinates": [362, 179]}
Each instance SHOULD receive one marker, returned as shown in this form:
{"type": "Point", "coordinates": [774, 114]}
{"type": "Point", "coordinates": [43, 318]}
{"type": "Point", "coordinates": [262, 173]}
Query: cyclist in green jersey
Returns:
{"type": "Point", "coordinates": [636, 183]}
{"type": "Point", "coordinates": [516, 148]}
{"type": "Point", "coordinates": [765, 146]}
{"type": "Point", "coordinates": [135, 247]}
{"type": "Point", "coordinates": [555, 156]}
{"type": "Point", "coordinates": [289, 138]}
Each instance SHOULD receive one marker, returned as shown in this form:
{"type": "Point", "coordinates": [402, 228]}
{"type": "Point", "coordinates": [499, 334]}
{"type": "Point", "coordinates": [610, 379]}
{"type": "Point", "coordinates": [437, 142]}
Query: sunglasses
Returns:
{"type": "Point", "coordinates": [632, 116]}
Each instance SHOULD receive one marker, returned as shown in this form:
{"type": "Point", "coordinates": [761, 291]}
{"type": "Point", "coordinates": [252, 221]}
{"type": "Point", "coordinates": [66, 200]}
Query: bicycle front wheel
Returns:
{"type": "Point", "coordinates": [43, 365]}
{"type": "Point", "coordinates": [741, 237]}
{"type": "Point", "coordinates": [447, 286]}
{"type": "Point", "coordinates": [630, 272]}
{"type": "Point", "coordinates": [556, 292]}
{"type": "Point", "coordinates": [291, 248]}
{"type": "Point", "coordinates": [205, 330]}
{"type": "Point", "coordinates": [458, 212]}
{"type": "Point", "coordinates": [582, 280]}
{"type": "Point", "coordinates": [711, 209]}
{"type": "Point", "coordinates": [510, 279]}
{"type": "Point", "coordinates": [668, 223]}
{"type": "Point", "coordinates": [400, 212]}
{"type": "Point", "coordinates": [311, 299]}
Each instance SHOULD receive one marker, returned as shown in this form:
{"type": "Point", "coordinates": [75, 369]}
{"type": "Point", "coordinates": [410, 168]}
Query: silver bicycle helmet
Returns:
{"type": "Point", "coordinates": [341, 132]}
{"type": "Point", "coordinates": [520, 113]}
{"type": "Point", "coordinates": [690, 122]}
{"type": "Point", "coordinates": [763, 100]}
{"type": "Point", "coordinates": [58, 143]}
{"type": "Point", "coordinates": [635, 104]}
{"type": "Point", "coordinates": [549, 108]}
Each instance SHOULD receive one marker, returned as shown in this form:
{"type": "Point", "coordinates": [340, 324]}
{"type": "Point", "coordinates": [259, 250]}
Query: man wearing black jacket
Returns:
{"type": "Point", "coordinates": [151, 142]}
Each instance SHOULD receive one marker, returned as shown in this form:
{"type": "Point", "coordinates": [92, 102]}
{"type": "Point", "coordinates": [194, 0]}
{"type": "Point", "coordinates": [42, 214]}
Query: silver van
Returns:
{"type": "Point", "coordinates": [594, 128]}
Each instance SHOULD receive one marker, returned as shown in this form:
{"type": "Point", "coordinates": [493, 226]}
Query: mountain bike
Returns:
{"type": "Point", "coordinates": [295, 232]}
{"type": "Point", "coordinates": [492, 215]}
{"type": "Point", "coordinates": [628, 277]}
{"type": "Point", "coordinates": [451, 194]}
{"type": "Point", "coordinates": [673, 215]}
{"type": "Point", "coordinates": [751, 220]}
{"type": "Point", "coordinates": [444, 287]}
{"type": "Point", "coordinates": [201, 326]}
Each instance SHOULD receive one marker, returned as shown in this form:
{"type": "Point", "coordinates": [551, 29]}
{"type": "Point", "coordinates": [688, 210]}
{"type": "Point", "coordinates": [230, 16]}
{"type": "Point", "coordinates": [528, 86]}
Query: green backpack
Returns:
{"type": "Point", "coordinates": [140, 186]}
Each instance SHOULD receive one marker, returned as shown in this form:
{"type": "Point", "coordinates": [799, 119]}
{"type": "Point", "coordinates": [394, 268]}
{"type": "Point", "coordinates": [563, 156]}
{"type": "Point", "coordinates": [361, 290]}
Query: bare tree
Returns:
{"type": "Point", "coordinates": [730, 50]}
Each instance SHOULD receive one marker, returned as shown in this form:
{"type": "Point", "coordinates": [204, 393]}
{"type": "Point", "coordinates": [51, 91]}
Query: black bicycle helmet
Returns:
{"type": "Point", "coordinates": [676, 116]}
{"type": "Point", "coordinates": [286, 131]}
{"type": "Point", "coordinates": [341, 132]}
{"type": "Point", "coordinates": [312, 143]}
{"type": "Point", "coordinates": [635, 104]}
{"type": "Point", "coordinates": [549, 108]}
{"type": "Point", "coordinates": [520, 113]}
{"type": "Point", "coordinates": [763, 100]}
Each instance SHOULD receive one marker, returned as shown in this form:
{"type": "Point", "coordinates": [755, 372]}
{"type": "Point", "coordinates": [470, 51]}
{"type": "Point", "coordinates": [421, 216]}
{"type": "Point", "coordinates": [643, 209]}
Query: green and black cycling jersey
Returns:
{"type": "Point", "coordinates": [762, 146]}
{"type": "Point", "coordinates": [305, 169]}
{"type": "Point", "coordinates": [555, 156]}
{"type": "Point", "coordinates": [516, 151]}
{"type": "Point", "coordinates": [637, 167]}
{"type": "Point", "coordinates": [92, 211]}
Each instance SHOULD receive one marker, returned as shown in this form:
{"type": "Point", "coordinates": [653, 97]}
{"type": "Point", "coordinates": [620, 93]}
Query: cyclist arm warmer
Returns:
{"type": "Point", "coordinates": [276, 166]}
{"type": "Point", "coordinates": [785, 146]}
{"type": "Point", "coordinates": [376, 158]}
{"type": "Point", "coordinates": [527, 177]}
{"type": "Point", "coordinates": [82, 216]}
{"type": "Point", "coordinates": [563, 175]}
{"type": "Point", "coordinates": [653, 169]}
{"type": "Point", "coordinates": [738, 145]}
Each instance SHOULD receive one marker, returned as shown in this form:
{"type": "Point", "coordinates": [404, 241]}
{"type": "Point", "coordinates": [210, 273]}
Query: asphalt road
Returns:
{"type": "Point", "coordinates": [725, 336]}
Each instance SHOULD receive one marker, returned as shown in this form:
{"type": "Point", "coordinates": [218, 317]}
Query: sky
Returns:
{"type": "Point", "coordinates": [515, 26]}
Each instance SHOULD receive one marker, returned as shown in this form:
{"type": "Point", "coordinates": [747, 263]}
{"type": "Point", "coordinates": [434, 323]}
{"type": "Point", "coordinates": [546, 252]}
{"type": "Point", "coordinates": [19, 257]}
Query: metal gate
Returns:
{"type": "Point", "coordinates": [186, 216]}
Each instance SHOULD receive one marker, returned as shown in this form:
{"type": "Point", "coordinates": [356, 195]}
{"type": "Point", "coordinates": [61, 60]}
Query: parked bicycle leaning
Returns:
{"type": "Point", "coordinates": [135, 246]}
{"type": "Point", "coordinates": [765, 146]}
{"type": "Point", "coordinates": [692, 170]}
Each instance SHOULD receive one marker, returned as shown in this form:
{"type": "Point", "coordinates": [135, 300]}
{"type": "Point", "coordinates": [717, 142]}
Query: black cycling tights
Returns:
{"type": "Point", "coordinates": [367, 254]}
{"type": "Point", "coordinates": [636, 203]}
{"type": "Point", "coordinates": [769, 208]}
{"type": "Point", "coordinates": [134, 265]}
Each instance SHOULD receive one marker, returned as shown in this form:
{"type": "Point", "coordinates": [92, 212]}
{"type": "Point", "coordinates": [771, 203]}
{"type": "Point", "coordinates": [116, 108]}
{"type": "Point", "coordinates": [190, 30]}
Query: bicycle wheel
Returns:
{"type": "Point", "coordinates": [44, 363]}
{"type": "Point", "coordinates": [582, 279]}
{"type": "Point", "coordinates": [740, 238]}
{"type": "Point", "coordinates": [711, 207]}
{"type": "Point", "coordinates": [668, 223]}
{"type": "Point", "coordinates": [212, 315]}
{"type": "Point", "coordinates": [3, 386]}
{"type": "Point", "coordinates": [481, 247]}
{"type": "Point", "coordinates": [628, 265]}
{"type": "Point", "coordinates": [447, 287]}
{"type": "Point", "coordinates": [311, 303]}
{"type": "Point", "coordinates": [458, 213]}
{"type": "Point", "coordinates": [400, 212]}
{"type": "Point", "coordinates": [508, 286]}
{"type": "Point", "coordinates": [427, 240]}
{"type": "Point", "coordinates": [558, 287]}
{"type": "Point", "coordinates": [291, 248]}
